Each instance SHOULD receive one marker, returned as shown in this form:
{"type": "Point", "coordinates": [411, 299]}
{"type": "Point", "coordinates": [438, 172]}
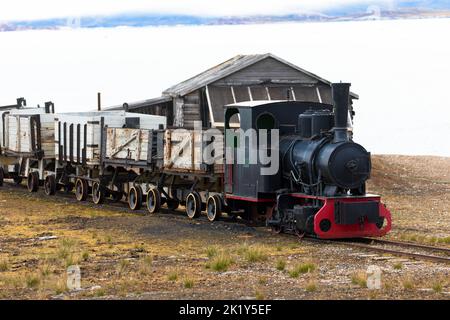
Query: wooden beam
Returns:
{"type": "Point", "coordinates": [99, 101]}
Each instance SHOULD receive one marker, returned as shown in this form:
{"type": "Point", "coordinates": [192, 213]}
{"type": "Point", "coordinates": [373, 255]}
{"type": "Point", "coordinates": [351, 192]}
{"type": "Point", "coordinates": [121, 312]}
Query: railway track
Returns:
{"type": "Point", "coordinates": [370, 244]}
{"type": "Point", "coordinates": [416, 251]}
{"type": "Point", "coordinates": [109, 204]}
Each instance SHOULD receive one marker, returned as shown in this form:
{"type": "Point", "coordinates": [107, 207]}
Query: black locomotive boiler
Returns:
{"type": "Point", "coordinates": [320, 188]}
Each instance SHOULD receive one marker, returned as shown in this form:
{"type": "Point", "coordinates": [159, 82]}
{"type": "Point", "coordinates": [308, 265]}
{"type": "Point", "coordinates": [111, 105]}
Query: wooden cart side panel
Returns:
{"type": "Point", "coordinates": [89, 128]}
{"type": "Point", "coordinates": [48, 135]}
{"type": "Point", "coordinates": [12, 129]}
{"type": "Point", "coordinates": [127, 144]}
{"type": "Point", "coordinates": [19, 134]}
{"type": "Point", "coordinates": [24, 135]}
{"type": "Point", "coordinates": [183, 151]}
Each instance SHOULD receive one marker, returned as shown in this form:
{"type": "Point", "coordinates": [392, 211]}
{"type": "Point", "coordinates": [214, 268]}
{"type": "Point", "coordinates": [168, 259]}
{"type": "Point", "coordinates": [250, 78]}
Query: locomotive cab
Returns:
{"type": "Point", "coordinates": [260, 123]}
{"type": "Point", "coordinates": [318, 182]}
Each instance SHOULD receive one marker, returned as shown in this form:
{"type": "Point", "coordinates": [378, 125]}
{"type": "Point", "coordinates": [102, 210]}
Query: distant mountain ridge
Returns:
{"type": "Point", "coordinates": [393, 10]}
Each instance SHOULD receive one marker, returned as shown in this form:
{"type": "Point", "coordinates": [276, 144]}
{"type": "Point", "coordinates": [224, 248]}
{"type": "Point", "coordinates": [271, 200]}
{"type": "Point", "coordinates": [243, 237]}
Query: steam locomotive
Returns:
{"type": "Point", "coordinates": [320, 189]}
{"type": "Point", "coordinates": [317, 189]}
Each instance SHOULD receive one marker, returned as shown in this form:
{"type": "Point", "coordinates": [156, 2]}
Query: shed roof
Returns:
{"type": "Point", "coordinates": [142, 103]}
{"type": "Point", "coordinates": [229, 67]}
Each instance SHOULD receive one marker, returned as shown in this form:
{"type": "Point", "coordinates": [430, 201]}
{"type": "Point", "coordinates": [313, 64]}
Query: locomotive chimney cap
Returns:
{"type": "Point", "coordinates": [341, 99]}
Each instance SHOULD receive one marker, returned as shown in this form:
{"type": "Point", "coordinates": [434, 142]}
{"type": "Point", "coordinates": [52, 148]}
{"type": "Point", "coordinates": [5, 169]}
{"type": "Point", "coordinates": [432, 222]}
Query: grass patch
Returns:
{"type": "Point", "coordinates": [294, 273]}
{"type": "Point", "coordinates": [61, 286]}
{"type": "Point", "coordinates": [123, 267]}
{"type": "Point", "coordinates": [188, 283]}
{"type": "Point", "coordinates": [445, 240]}
{"type": "Point", "coordinates": [220, 263]}
{"type": "Point", "coordinates": [301, 269]}
{"type": "Point", "coordinates": [211, 251]}
{"type": "Point", "coordinates": [252, 253]}
{"type": "Point", "coordinates": [408, 283]}
{"type": "Point", "coordinates": [255, 254]}
{"type": "Point", "coordinates": [145, 264]}
{"type": "Point", "coordinates": [398, 266]}
{"type": "Point", "coordinates": [281, 264]}
{"type": "Point", "coordinates": [99, 292]}
{"type": "Point", "coordinates": [32, 281]}
{"type": "Point", "coordinates": [85, 255]}
{"type": "Point", "coordinates": [4, 265]}
{"type": "Point", "coordinates": [172, 276]}
{"type": "Point", "coordinates": [66, 251]}
{"type": "Point", "coordinates": [311, 286]}
{"type": "Point", "coordinates": [412, 237]}
{"type": "Point", "coordinates": [45, 270]}
{"type": "Point", "coordinates": [63, 253]}
{"type": "Point", "coordinates": [432, 240]}
{"type": "Point", "coordinates": [67, 242]}
{"type": "Point", "coordinates": [372, 294]}
{"type": "Point", "coordinates": [359, 279]}
{"type": "Point", "coordinates": [262, 280]}
{"type": "Point", "coordinates": [259, 295]}
{"type": "Point", "coordinates": [437, 287]}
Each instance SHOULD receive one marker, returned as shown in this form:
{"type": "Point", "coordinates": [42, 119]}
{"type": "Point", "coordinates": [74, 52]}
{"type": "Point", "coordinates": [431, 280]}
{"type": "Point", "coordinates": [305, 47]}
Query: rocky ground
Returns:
{"type": "Point", "coordinates": [131, 256]}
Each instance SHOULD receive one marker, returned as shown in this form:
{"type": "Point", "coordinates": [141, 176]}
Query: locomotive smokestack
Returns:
{"type": "Point", "coordinates": [341, 99]}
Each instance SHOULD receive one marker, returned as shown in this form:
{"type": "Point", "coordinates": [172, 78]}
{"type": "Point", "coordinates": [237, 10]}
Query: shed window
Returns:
{"type": "Point", "coordinates": [304, 93]}
{"type": "Point", "coordinates": [280, 93]}
{"type": "Point", "coordinates": [219, 97]}
{"type": "Point", "coordinates": [259, 93]}
{"type": "Point", "coordinates": [325, 93]}
{"type": "Point", "coordinates": [241, 94]}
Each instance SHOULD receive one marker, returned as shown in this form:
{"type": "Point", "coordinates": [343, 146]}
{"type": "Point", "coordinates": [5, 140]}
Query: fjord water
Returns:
{"type": "Point", "coordinates": [400, 69]}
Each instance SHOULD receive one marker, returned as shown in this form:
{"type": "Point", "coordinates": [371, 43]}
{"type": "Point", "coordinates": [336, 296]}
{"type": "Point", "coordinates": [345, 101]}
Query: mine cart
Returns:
{"type": "Point", "coordinates": [27, 144]}
{"type": "Point", "coordinates": [80, 146]}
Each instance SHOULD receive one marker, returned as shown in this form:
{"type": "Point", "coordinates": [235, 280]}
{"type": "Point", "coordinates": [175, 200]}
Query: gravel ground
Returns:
{"type": "Point", "coordinates": [124, 255]}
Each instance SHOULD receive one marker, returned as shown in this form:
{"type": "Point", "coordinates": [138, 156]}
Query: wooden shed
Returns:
{"type": "Point", "coordinates": [242, 78]}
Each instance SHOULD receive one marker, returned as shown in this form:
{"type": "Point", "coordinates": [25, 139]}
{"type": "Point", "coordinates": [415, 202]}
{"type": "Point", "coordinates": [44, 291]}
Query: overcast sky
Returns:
{"type": "Point", "coordinates": [42, 9]}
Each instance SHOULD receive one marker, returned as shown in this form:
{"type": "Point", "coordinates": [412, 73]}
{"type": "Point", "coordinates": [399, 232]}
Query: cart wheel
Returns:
{"type": "Point", "coordinates": [214, 208]}
{"type": "Point", "coordinates": [50, 185]}
{"type": "Point", "coordinates": [81, 189]}
{"type": "Point", "coordinates": [33, 181]}
{"type": "Point", "coordinates": [193, 205]}
{"type": "Point", "coordinates": [153, 200]}
{"type": "Point", "coordinates": [135, 198]}
{"type": "Point", "coordinates": [98, 194]}
{"type": "Point", "coordinates": [172, 204]}
{"type": "Point", "coordinates": [2, 176]}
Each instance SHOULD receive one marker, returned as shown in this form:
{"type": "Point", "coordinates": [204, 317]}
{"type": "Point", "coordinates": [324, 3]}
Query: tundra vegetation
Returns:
{"type": "Point", "coordinates": [125, 254]}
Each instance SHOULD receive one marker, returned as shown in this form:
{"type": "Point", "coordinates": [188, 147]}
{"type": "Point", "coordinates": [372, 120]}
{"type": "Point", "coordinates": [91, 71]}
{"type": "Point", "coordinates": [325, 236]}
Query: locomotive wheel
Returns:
{"type": "Point", "coordinates": [172, 204]}
{"type": "Point", "coordinates": [193, 205]}
{"type": "Point", "coordinates": [50, 185]}
{"type": "Point", "coordinates": [98, 195]}
{"type": "Point", "coordinates": [153, 200]}
{"type": "Point", "coordinates": [214, 208]}
{"type": "Point", "coordinates": [135, 198]}
{"type": "Point", "coordinates": [81, 189]}
{"type": "Point", "coordinates": [33, 182]}
{"type": "Point", "coordinates": [2, 176]}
